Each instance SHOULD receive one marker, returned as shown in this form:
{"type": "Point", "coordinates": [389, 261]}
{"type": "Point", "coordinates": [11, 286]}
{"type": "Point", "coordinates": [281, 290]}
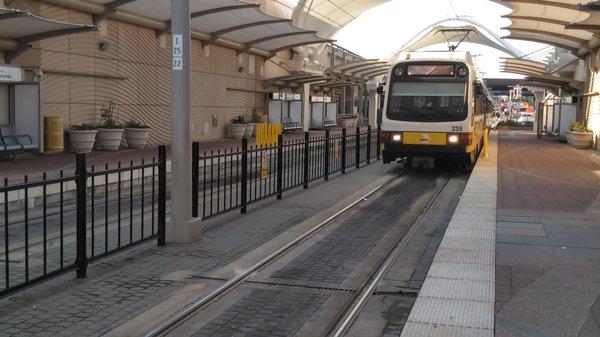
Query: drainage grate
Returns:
{"type": "Point", "coordinates": [201, 277]}
{"type": "Point", "coordinates": [302, 286]}
{"type": "Point", "coordinates": [403, 293]}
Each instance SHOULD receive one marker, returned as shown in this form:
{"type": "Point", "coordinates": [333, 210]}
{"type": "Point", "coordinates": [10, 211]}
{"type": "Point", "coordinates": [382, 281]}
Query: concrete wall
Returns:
{"type": "Point", "coordinates": [134, 72]}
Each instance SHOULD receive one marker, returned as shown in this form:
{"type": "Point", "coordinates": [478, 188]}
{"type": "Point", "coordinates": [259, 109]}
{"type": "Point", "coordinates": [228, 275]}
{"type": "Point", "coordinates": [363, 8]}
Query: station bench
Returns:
{"type": "Point", "coordinates": [289, 125]}
{"type": "Point", "coordinates": [11, 144]}
{"type": "Point", "coordinates": [329, 123]}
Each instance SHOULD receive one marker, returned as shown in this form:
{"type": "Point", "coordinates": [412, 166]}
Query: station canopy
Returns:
{"type": "Point", "coordinates": [359, 70]}
{"type": "Point", "coordinates": [537, 76]}
{"type": "Point", "coordinates": [18, 29]}
{"type": "Point", "coordinates": [237, 24]}
{"type": "Point", "coordinates": [562, 23]}
{"type": "Point", "coordinates": [329, 16]}
{"type": "Point", "coordinates": [294, 80]}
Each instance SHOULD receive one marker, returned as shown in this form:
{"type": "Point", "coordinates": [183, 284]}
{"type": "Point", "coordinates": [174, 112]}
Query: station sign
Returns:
{"type": "Point", "coordinates": [10, 74]}
{"type": "Point", "coordinates": [177, 52]}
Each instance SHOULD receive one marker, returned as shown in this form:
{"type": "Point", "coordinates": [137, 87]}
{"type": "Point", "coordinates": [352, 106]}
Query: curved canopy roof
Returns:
{"type": "Point", "coordinates": [329, 16]}
{"type": "Point", "coordinates": [536, 72]}
{"type": "Point", "coordinates": [561, 23]}
{"type": "Point", "coordinates": [19, 28]}
{"type": "Point", "coordinates": [474, 32]}
{"type": "Point", "coordinates": [236, 24]}
{"type": "Point", "coordinates": [361, 70]}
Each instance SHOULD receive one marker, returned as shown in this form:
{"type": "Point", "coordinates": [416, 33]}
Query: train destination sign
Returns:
{"type": "Point", "coordinates": [431, 70]}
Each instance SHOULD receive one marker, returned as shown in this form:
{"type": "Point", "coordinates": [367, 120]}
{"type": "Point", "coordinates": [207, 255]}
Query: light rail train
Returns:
{"type": "Point", "coordinates": [436, 105]}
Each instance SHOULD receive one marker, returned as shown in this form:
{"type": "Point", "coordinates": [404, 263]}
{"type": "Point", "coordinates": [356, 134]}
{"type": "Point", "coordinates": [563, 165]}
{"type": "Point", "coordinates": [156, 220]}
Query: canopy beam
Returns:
{"type": "Point", "coordinates": [215, 35]}
{"type": "Point", "coordinates": [24, 42]}
{"type": "Point", "coordinates": [110, 8]}
{"type": "Point", "coordinates": [199, 14]}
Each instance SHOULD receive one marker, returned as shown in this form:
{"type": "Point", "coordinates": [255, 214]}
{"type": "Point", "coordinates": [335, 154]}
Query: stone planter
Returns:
{"type": "Point", "coordinates": [580, 140]}
{"type": "Point", "coordinates": [110, 139]}
{"type": "Point", "coordinates": [348, 123]}
{"type": "Point", "coordinates": [237, 131]}
{"type": "Point", "coordinates": [249, 130]}
{"type": "Point", "coordinates": [136, 137]}
{"type": "Point", "coordinates": [82, 141]}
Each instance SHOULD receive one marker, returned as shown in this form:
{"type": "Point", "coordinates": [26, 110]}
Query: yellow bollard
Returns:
{"type": "Point", "coordinates": [486, 135]}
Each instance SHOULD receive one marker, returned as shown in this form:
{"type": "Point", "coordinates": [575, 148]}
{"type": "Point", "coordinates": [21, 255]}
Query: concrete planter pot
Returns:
{"type": "Point", "coordinates": [580, 140]}
{"type": "Point", "coordinates": [237, 131]}
{"type": "Point", "coordinates": [249, 130]}
{"type": "Point", "coordinates": [82, 141]}
{"type": "Point", "coordinates": [347, 123]}
{"type": "Point", "coordinates": [136, 137]}
{"type": "Point", "coordinates": [110, 139]}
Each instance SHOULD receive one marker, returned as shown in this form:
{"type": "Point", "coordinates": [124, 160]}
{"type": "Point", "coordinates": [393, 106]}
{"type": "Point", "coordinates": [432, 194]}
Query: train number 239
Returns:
{"type": "Point", "coordinates": [457, 128]}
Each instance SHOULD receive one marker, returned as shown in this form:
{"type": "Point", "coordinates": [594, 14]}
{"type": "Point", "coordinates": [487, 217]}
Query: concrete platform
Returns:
{"type": "Point", "coordinates": [457, 297]}
{"type": "Point", "coordinates": [526, 265]}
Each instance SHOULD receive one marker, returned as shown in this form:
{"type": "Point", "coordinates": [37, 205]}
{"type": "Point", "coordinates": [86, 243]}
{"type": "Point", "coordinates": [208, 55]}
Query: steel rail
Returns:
{"type": "Point", "coordinates": [184, 313]}
{"type": "Point", "coordinates": [352, 311]}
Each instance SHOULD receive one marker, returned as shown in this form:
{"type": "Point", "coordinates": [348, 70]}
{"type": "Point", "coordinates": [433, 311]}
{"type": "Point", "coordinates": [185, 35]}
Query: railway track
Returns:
{"type": "Point", "coordinates": [344, 318]}
{"type": "Point", "coordinates": [170, 323]}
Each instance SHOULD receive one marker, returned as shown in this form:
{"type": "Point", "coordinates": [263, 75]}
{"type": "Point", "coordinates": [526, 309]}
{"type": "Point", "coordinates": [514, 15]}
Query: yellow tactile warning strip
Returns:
{"type": "Point", "coordinates": [457, 297]}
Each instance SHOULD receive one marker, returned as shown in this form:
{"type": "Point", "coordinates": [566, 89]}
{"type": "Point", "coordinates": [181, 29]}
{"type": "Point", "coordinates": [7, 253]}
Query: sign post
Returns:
{"type": "Point", "coordinates": [182, 227]}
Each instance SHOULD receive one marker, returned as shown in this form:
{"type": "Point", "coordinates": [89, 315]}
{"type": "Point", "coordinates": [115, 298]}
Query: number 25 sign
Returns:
{"type": "Point", "coordinates": [177, 52]}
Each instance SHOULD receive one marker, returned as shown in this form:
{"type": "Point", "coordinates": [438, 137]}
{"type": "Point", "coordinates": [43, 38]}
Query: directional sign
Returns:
{"type": "Point", "coordinates": [177, 52]}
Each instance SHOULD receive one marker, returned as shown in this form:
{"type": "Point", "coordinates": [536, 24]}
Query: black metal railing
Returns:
{"type": "Point", "coordinates": [53, 225]}
{"type": "Point", "coordinates": [235, 178]}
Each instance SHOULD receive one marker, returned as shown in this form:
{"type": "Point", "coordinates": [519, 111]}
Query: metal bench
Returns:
{"type": "Point", "coordinates": [11, 144]}
{"type": "Point", "coordinates": [329, 123]}
{"type": "Point", "coordinates": [289, 125]}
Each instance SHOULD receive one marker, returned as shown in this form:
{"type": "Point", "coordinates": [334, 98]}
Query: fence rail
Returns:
{"type": "Point", "coordinates": [58, 224]}
{"type": "Point", "coordinates": [69, 229]}
{"type": "Point", "coordinates": [235, 178]}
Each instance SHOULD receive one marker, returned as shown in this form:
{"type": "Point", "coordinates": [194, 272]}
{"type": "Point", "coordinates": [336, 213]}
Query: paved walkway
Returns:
{"type": "Point", "coordinates": [143, 285]}
{"type": "Point", "coordinates": [34, 165]}
{"type": "Point", "coordinates": [548, 238]}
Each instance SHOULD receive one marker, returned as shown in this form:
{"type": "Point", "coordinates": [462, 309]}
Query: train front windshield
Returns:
{"type": "Point", "coordinates": [427, 101]}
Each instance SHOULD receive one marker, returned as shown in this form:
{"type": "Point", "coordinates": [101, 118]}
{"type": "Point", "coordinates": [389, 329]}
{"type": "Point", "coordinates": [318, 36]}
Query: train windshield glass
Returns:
{"type": "Point", "coordinates": [427, 101]}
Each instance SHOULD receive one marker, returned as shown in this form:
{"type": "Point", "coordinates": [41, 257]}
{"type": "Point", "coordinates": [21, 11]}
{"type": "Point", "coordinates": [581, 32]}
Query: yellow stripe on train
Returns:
{"type": "Point", "coordinates": [424, 138]}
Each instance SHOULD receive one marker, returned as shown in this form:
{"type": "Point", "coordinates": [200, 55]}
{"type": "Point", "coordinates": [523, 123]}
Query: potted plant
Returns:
{"type": "Point", "coordinates": [82, 137]}
{"type": "Point", "coordinates": [251, 126]}
{"type": "Point", "coordinates": [136, 134]}
{"type": "Point", "coordinates": [237, 127]}
{"type": "Point", "coordinates": [579, 136]}
{"type": "Point", "coordinates": [110, 132]}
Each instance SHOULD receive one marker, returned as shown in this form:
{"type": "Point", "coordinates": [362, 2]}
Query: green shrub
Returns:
{"type": "Point", "coordinates": [579, 127]}
{"type": "Point", "coordinates": [84, 126]}
{"type": "Point", "coordinates": [107, 119]}
{"type": "Point", "coordinates": [136, 125]}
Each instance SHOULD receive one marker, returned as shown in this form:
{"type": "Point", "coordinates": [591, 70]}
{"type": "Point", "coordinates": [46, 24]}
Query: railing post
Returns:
{"type": "Point", "coordinates": [357, 147]}
{"type": "Point", "coordinates": [162, 194]}
{"type": "Point", "coordinates": [195, 177]}
{"type": "Point", "coordinates": [327, 146]}
{"type": "Point", "coordinates": [81, 260]}
{"type": "Point", "coordinates": [280, 166]}
{"type": "Point", "coordinates": [378, 141]}
{"type": "Point", "coordinates": [306, 154]}
{"type": "Point", "coordinates": [343, 150]}
{"type": "Point", "coordinates": [369, 144]}
{"type": "Point", "coordinates": [244, 189]}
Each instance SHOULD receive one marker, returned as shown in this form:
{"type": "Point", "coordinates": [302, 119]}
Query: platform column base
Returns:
{"type": "Point", "coordinates": [184, 232]}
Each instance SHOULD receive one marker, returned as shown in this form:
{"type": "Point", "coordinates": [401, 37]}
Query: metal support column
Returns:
{"type": "Point", "coordinates": [182, 227]}
{"type": "Point", "coordinates": [560, 99]}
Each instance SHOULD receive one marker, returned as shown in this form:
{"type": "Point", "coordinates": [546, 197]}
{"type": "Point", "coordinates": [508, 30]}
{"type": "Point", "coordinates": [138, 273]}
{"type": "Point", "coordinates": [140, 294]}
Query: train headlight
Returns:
{"type": "Point", "coordinates": [397, 138]}
{"type": "Point", "coordinates": [453, 139]}
{"type": "Point", "coordinates": [463, 71]}
{"type": "Point", "coordinates": [399, 71]}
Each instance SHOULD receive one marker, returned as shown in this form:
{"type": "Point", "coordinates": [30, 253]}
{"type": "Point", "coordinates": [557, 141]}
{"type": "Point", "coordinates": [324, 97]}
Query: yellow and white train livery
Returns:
{"type": "Point", "coordinates": [435, 105]}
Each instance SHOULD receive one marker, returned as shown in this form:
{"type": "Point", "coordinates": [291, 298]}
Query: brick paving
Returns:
{"type": "Point", "coordinates": [266, 313]}
{"type": "Point", "coordinates": [548, 238]}
{"type": "Point", "coordinates": [121, 287]}
{"type": "Point", "coordinates": [334, 257]}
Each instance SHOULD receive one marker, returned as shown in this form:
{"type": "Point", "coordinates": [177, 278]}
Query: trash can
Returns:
{"type": "Point", "coordinates": [53, 135]}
